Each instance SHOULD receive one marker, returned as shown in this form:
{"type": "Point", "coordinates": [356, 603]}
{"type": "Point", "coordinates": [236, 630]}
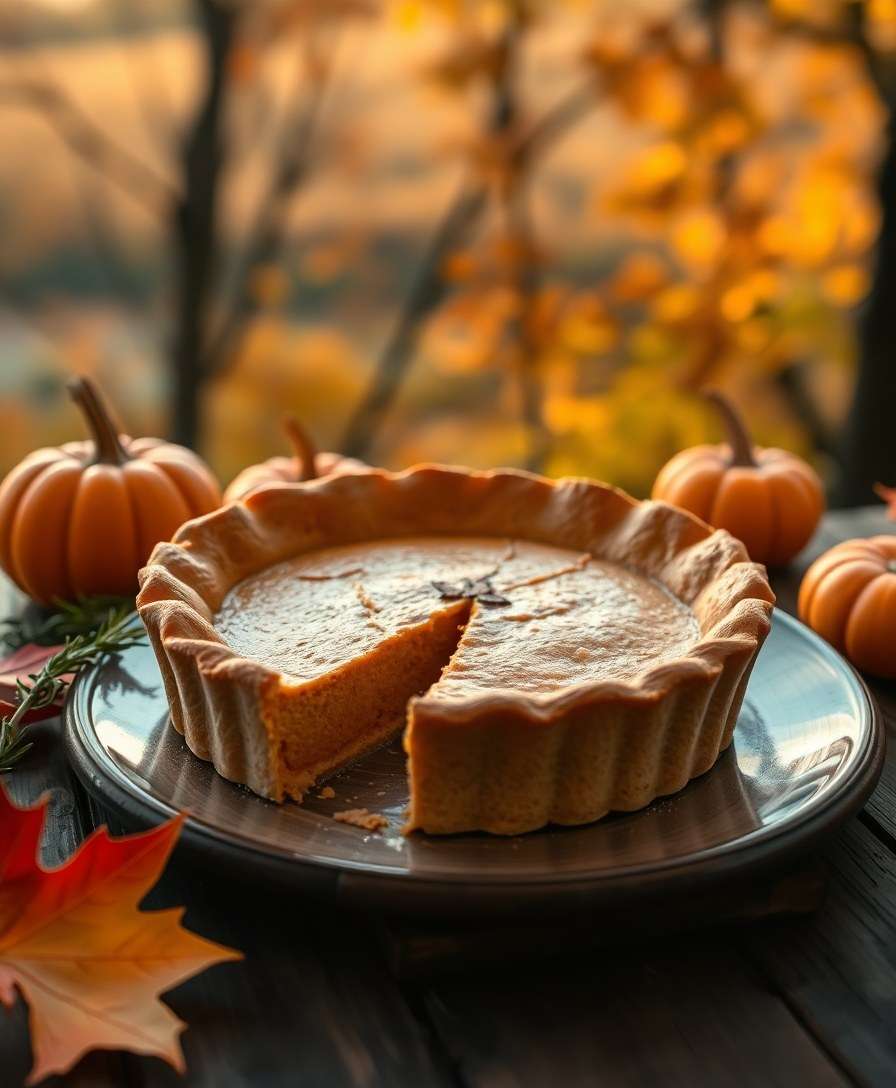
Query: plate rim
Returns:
{"type": "Point", "coordinates": [759, 847]}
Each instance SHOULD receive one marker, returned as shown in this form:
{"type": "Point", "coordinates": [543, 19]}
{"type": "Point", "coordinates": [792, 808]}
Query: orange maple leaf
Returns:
{"type": "Point", "coordinates": [88, 963]}
{"type": "Point", "coordinates": [888, 494]}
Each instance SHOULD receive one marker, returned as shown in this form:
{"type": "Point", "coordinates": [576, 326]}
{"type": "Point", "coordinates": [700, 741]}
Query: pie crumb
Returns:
{"type": "Point", "coordinates": [360, 817]}
{"type": "Point", "coordinates": [327, 793]}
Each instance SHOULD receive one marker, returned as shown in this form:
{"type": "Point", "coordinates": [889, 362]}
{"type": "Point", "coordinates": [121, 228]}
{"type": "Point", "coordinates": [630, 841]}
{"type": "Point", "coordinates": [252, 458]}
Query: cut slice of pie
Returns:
{"type": "Point", "coordinates": [555, 650]}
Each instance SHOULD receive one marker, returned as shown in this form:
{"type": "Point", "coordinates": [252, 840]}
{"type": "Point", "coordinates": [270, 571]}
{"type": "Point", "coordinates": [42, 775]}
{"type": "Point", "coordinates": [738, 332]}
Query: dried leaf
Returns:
{"type": "Point", "coordinates": [888, 494]}
{"type": "Point", "coordinates": [478, 589]}
{"type": "Point", "coordinates": [445, 589]}
{"type": "Point", "coordinates": [25, 662]}
{"type": "Point", "coordinates": [473, 589]}
{"type": "Point", "coordinates": [87, 962]}
{"type": "Point", "coordinates": [492, 599]}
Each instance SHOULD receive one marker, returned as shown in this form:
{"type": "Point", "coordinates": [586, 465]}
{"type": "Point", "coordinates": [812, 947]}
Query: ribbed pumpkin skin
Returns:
{"type": "Point", "coordinates": [848, 596]}
{"type": "Point", "coordinates": [283, 470]}
{"type": "Point", "coordinates": [773, 506]}
{"type": "Point", "coordinates": [769, 499]}
{"type": "Point", "coordinates": [306, 464]}
{"type": "Point", "coordinates": [73, 524]}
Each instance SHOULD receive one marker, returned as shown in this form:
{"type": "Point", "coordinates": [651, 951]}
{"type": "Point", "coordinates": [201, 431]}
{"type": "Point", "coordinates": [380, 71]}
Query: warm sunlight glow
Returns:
{"type": "Point", "coordinates": [67, 5]}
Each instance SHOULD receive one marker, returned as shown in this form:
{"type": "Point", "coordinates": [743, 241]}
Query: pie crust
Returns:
{"type": "Point", "coordinates": [502, 761]}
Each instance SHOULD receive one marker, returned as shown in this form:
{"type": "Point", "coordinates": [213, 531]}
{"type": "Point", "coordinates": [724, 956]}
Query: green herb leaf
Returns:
{"type": "Point", "coordinates": [69, 618]}
{"type": "Point", "coordinates": [113, 630]}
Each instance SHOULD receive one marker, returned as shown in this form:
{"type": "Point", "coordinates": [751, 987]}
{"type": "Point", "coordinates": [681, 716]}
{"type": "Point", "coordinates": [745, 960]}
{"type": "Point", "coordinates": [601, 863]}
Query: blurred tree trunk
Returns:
{"type": "Point", "coordinates": [869, 448]}
{"type": "Point", "coordinates": [194, 225]}
{"type": "Point", "coordinates": [523, 342]}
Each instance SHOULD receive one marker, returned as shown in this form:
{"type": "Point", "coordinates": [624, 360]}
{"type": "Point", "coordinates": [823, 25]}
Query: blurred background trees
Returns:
{"type": "Point", "coordinates": [506, 231]}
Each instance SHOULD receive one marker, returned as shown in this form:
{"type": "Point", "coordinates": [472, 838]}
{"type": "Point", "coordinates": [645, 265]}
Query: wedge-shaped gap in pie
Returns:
{"type": "Point", "coordinates": [320, 725]}
{"type": "Point", "coordinates": [353, 634]}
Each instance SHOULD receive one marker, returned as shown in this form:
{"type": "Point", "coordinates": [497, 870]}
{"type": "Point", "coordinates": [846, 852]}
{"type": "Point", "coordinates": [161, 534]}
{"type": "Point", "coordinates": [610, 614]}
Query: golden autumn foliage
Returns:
{"type": "Point", "coordinates": [741, 244]}
{"type": "Point", "coordinates": [548, 225]}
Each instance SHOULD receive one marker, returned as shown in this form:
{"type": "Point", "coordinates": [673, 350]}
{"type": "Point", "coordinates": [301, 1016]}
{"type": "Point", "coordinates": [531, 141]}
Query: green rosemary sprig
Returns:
{"type": "Point", "coordinates": [68, 618]}
{"type": "Point", "coordinates": [118, 630]}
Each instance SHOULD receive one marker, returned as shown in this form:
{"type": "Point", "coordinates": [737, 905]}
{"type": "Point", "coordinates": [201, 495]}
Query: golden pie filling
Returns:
{"type": "Point", "coordinates": [554, 650]}
{"type": "Point", "coordinates": [367, 637]}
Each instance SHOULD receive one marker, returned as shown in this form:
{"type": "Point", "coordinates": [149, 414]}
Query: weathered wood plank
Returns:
{"type": "Point", "coordinates": [837, 969]}
{"type": "Point", "coordinates": [44, 771]}
{"type": "Point", "coordinates": [881, 807]}
{"type": "Point", "coordinates": [424, 948]}
{"type": "Point", "coordinates": [311, 1004]}
{"type": "Point", "coordinates": [695, 1015]}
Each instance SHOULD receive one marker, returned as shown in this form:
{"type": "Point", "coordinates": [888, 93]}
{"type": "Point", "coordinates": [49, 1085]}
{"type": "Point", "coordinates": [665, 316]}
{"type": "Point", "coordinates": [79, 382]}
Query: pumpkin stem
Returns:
{"type": "Point", "coordinates": [109, 450]}
{"type": "Point", "coordinates": [738, 439]}
{"type": "Point", "coordinates": [306, 454]}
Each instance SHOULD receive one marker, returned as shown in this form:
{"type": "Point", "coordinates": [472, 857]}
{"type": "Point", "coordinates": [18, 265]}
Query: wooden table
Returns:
{"type": "Point", "coordinates": [803, 1001]}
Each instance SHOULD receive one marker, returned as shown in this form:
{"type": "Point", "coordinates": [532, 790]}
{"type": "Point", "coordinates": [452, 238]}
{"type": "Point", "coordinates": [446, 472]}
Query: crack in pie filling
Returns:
{"type": "Point", "coordinates": [552, 650]}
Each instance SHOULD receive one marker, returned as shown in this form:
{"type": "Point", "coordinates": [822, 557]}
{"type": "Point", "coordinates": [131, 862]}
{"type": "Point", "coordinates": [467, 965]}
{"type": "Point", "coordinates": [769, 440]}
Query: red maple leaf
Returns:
{"type": "Point", "coordinates": [89, 964]}
{"type": "Point", "coordinates": [25, 662]}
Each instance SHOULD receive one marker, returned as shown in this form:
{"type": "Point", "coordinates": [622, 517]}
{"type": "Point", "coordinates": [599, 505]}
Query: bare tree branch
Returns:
{"type": "Point", "coordinates": [425, 294]}
{"type": "Point", "coordinates": [559, 118]}
{"type": "Point", "coordinates": [524, 277]}
{"type": "Point", "coordinates": [92, 145]}
{"type": "Point", "coordinates": [116, 272]}
{"type": "Point", "coordinates": [523, 340]}
{"type": "Point", "coordinates": [267, 234]}
{"type": "Point", "coordinates": [428, 287]}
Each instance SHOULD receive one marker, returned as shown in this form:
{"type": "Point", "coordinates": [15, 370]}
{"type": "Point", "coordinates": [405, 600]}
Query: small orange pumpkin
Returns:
{"type": "Point", "coordinates": [848, 596]}
{"type": "Point", "coordinates": [768, 498]}
{"type": "Point", "coordinates": [82, 518]}
{"type": "Point", "coordinates": [305, 464]}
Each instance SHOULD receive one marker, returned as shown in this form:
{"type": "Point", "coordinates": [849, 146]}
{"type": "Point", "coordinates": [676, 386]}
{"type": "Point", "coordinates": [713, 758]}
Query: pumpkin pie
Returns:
{"type": "Point", "coordinates": [553, 650]}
